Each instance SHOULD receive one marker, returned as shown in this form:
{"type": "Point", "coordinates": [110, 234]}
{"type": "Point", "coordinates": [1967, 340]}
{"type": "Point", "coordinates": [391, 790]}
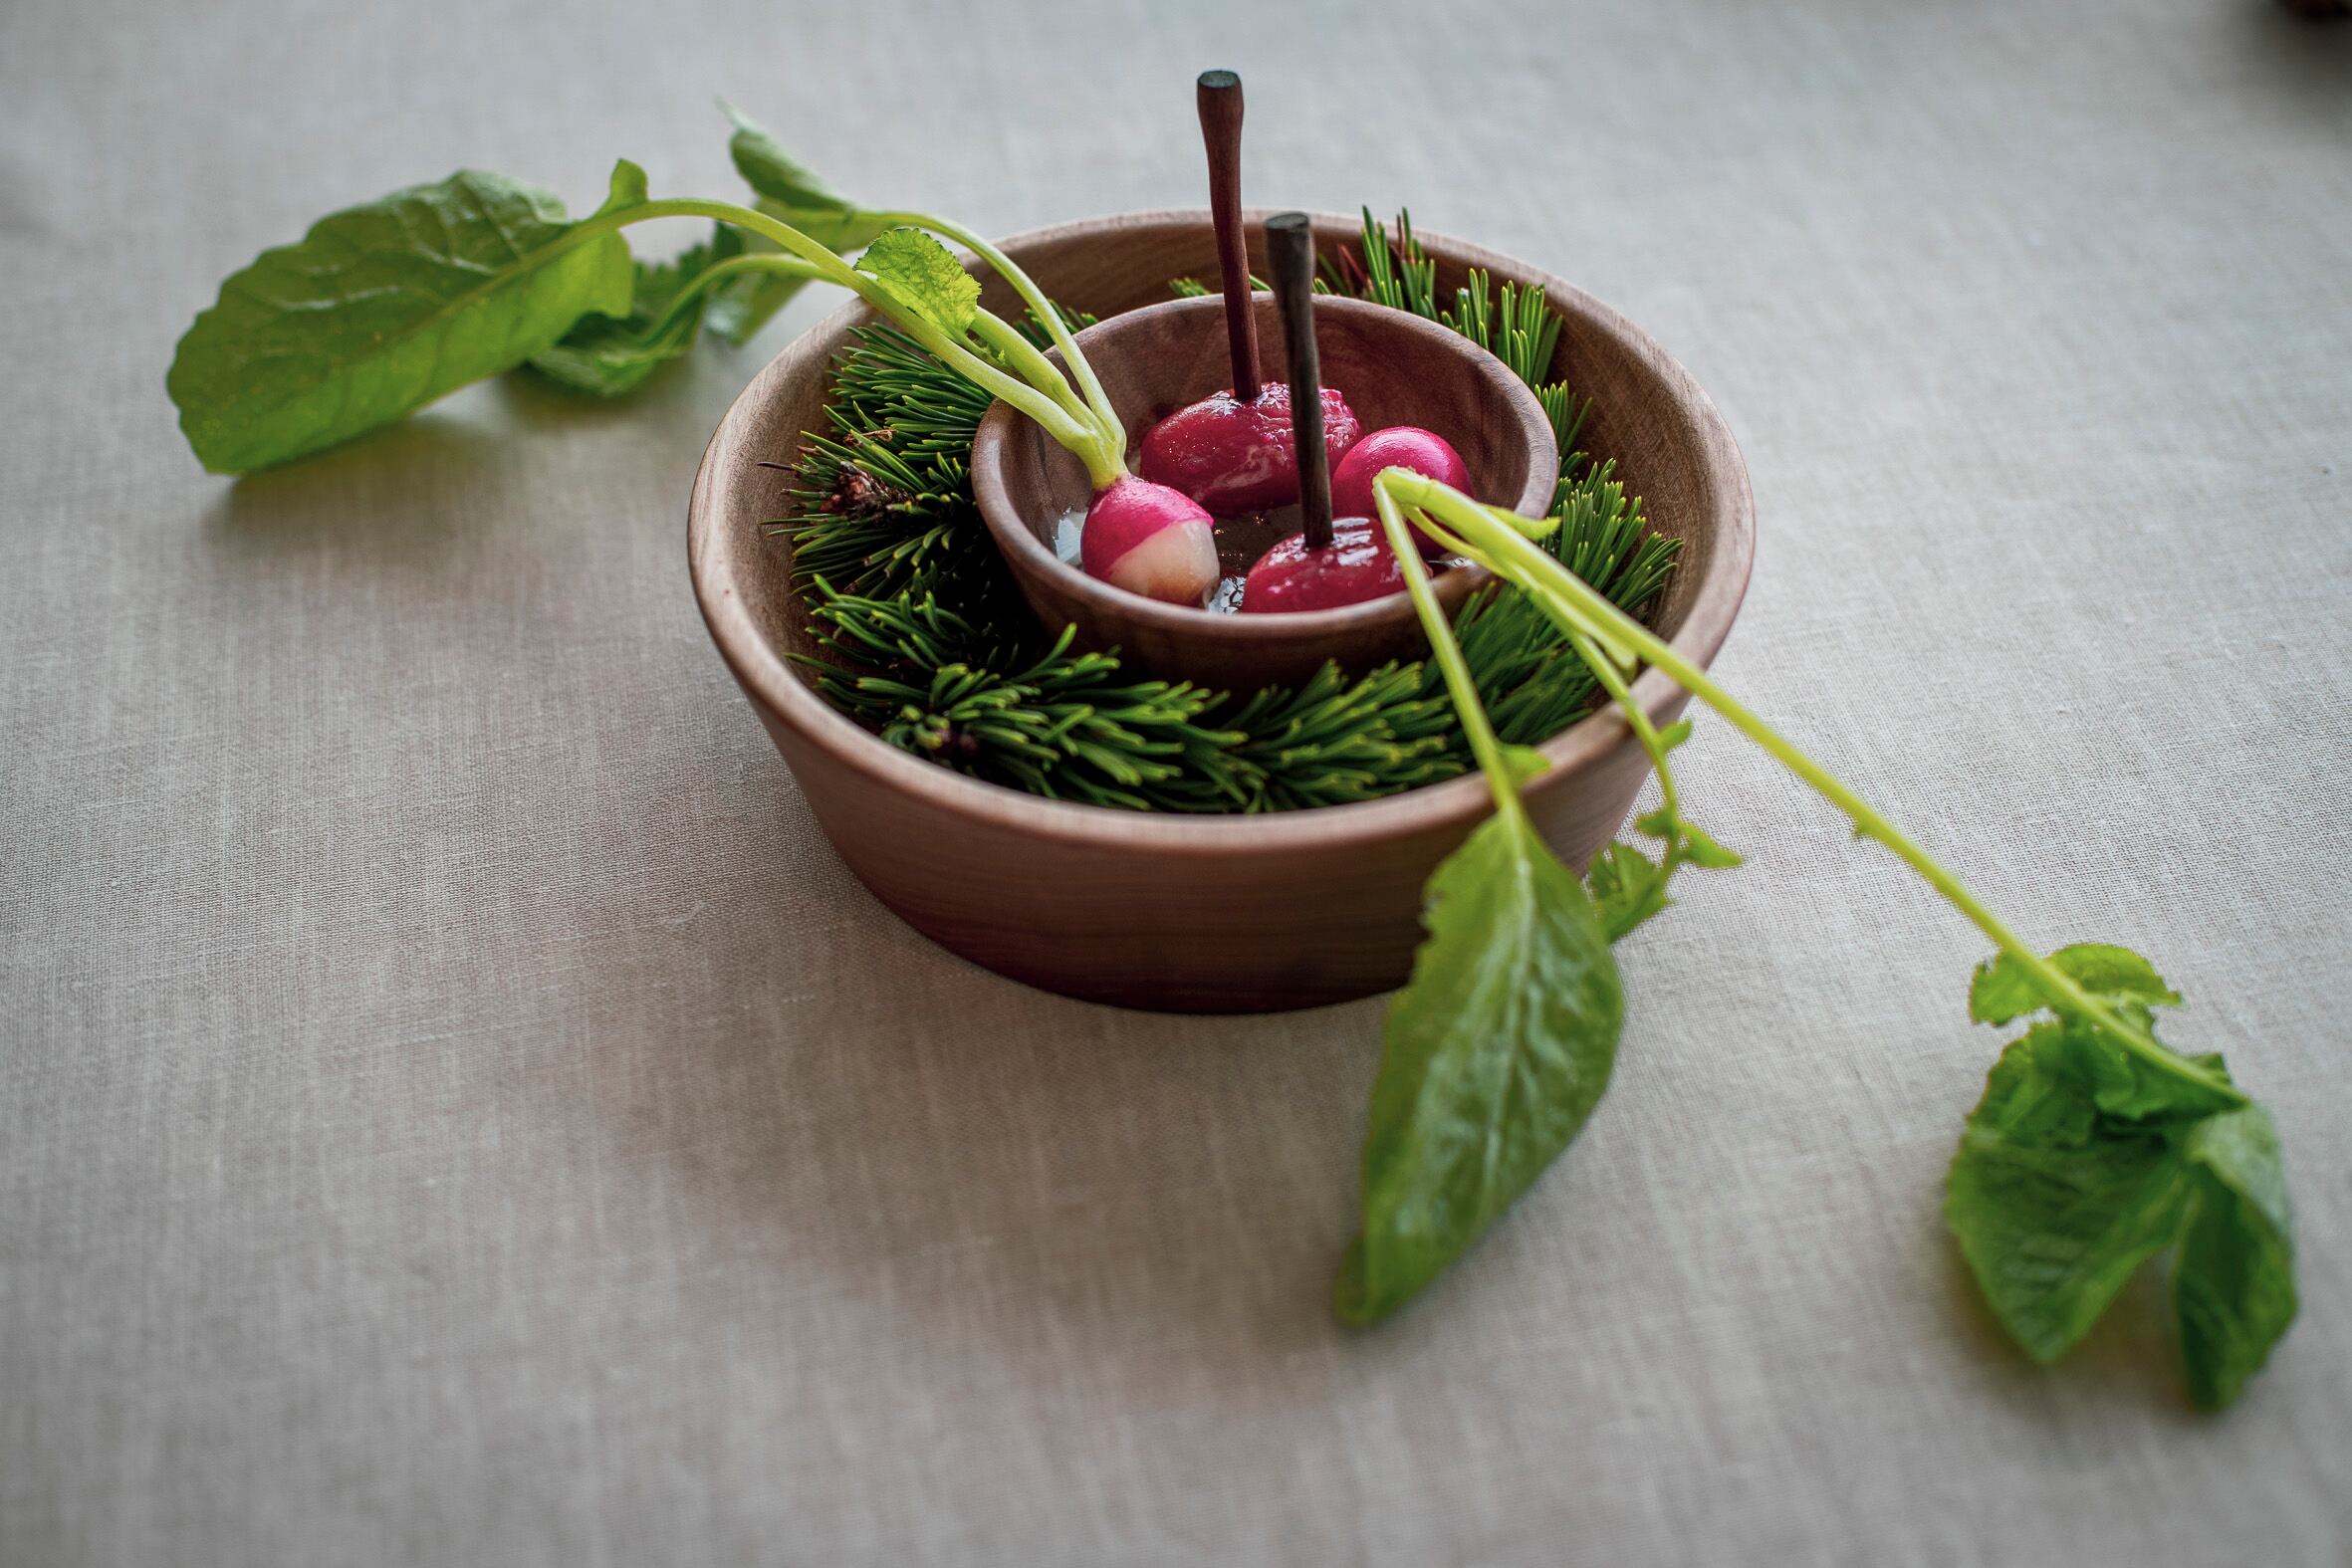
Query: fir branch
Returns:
{"type": "Point", "coordinates": [922, 637]}
{"type": "Point", "coordinates": [1069, 725]}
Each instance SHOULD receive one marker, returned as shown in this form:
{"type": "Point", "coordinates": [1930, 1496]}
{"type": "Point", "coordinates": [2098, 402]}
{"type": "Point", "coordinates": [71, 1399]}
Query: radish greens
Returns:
{"type": "Point", "coordinates": [2095, 1148]}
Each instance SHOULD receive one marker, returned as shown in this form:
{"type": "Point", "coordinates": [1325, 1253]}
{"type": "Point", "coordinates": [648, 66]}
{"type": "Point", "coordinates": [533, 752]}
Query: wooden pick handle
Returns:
{"type": "Point", "coordinates": [1289, 251]}
{"type": "Point", "coordinates": [1219, 95]}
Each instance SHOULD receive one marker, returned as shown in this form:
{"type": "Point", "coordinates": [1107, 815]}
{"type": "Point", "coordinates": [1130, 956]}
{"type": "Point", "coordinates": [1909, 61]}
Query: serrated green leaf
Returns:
{"type": "Point", "coordinates": [382, 307]}
{"type": "Point", "coordinates": [606, 357]}
{"type": "Point", "coordinates": [1628, 887]}
{"type": "Point", "coordinates": [1702, 850]}
{"type": "Point", "coordinates": [2003, 990]}
{"type": "Point", "coordinates": [1495, 1055]}
{"type": "Point", "coordinates": [2053, 1208]}
{"type": "Point", "coordinates": [2234, 1280]}
{"type": "Point", "coordinates": [922, 275]}
{"type": "Point", "coordinates": [2130, 1088]}
{"type": "Point", "coordinates": [2077, 1167]}
{"type": "Point", "coordinates": [1691, 843]}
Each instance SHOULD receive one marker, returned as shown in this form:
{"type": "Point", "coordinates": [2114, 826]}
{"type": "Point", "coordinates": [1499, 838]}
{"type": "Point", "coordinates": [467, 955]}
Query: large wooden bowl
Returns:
{"type": "Point", "coordinates": [1197, 914]}
{"type": "Point", "coordinates": [1395, 368]}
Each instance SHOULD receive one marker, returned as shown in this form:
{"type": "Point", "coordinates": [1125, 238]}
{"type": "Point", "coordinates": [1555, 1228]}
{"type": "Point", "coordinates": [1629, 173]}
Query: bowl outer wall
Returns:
{"type": "Point", "coordinates": [1196, 912]}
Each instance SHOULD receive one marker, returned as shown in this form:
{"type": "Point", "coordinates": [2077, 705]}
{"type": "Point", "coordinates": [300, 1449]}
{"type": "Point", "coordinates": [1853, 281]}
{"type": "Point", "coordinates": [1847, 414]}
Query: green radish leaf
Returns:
{"type": "Point", "coordinates": [740, 307]}
{"type": "Point", "coordinates": [627, 189]}
{"type": "Point", "coordinates": [922, 275]}
{"type": "Point", "coordinates": [2055, 1208]}
{"type": "Point", "coordinates": [787, 190]}
{"type": "Point", "coordinates": [1495, 1055]}
{"type": "Point", "coordinates": [382, 307]}
{"type": "Point", "coordinates": [1628, 887]}
{"type": "Point", "coordinates": [1690, 841]}
{"type": "Point", "coordinates": [790, 191]}
{"type": "Point", "coordinates": [1700, 849]}
{"type": "Point", "coordinates": [606, 357]}
{"type": "Point", "coordinates": [2077, 1167]}
{"type": "Point", "coordinates": [2002, 989]}
{"type": "Point", "coordinates": [2233, 1278]}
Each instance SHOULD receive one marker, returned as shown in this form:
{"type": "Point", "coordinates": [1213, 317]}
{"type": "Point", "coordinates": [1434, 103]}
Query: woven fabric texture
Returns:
{"type": "Point", "coordinates": [455, 1109]}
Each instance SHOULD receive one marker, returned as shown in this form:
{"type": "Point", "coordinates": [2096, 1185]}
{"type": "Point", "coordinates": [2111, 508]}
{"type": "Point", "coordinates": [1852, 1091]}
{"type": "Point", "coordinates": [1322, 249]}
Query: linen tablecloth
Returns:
{"type": "Point", "coordinates": [455, 1108]}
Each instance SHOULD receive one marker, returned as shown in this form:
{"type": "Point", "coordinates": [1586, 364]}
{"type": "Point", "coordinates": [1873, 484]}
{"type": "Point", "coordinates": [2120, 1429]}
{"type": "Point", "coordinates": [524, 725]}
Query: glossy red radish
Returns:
{"type": "Point", "coordinates": [1235, 456]}
{"type": "Point", "coordinates": [1425, 451]}
{"type": "Point", "coordinates": [1150, 540]}
{"type": "Point", "coordinates": [1290, 577]}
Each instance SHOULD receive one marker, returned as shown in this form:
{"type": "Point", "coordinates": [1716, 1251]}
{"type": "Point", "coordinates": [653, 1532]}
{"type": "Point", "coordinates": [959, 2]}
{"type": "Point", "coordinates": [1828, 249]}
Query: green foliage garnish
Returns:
{"type": "Point", "coordinates": [882, 510]}
{"type": "Point", "coordinates": [1494, 1057]}
{"type": "Point", "coordinates": [2080, 1164]}
{"type": "Point", "coordinates": [382, 307]}
{"type": "Point", "coordinates": [920, 273]}
{"type": "Point", "coordinates": [2003, 990]}
{"type": "Point", "coordinates": [2094, 1149]}
{"type": "Point", "coordinates": [610, 357]}
{"type": "Point", "coordinates": [789, 192]}
{"type": "Point", "coordinates": [1067, 725]}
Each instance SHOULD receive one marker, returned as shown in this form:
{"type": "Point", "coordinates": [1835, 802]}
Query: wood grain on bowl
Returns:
{"type": "Point", "coordinates": [1215, 913]}
{"type": "Point", "coordinates": [1395, 369]}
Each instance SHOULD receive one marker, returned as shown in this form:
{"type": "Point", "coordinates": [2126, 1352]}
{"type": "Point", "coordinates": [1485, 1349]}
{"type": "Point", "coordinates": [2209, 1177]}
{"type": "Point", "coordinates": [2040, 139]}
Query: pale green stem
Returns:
{"type": "Point", "coordinates": [1023, 356]}
{"type": "Point", "coordinates": [1102, 464]}
{"type": "Point", "coordinates": [1604, 669]}
{"type": "Point", "coordinates": [1057, 330]}
{"type": "Point", "coordinates": [720, 272]}
{"type": "Point", "coordinates": [1483, 744]}
{"type": "Point", "coordinates": [1579, 608]}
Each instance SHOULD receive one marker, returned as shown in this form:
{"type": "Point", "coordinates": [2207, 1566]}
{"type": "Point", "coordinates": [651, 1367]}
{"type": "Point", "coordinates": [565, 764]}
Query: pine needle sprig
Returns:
{"type": "Point", "coordinates": [1567, 412]}
{"type": "Point", "coordinates": [921, 635]}
{"type": "Point", "coordinates": [1068, 726]}
{"type": "Point", "coordinates": [1334, 741]}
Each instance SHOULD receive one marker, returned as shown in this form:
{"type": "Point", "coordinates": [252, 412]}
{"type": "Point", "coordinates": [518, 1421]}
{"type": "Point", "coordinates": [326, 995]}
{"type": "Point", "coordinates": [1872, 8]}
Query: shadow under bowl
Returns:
{"type": "Point", "coordinates": [1200, 914]}
{"type": "Point", "coordinates": [1394, 367]}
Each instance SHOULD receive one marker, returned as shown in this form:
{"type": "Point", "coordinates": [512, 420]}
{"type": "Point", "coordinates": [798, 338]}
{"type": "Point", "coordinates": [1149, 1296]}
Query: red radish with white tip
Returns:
{"type": "Point", "coordinates": [1150, 540]}
{"type": "Point", "coordinates": [1425, 451]}
{"type": "Point", "coordinates": [1327, 564]}
{"type": "Point", "coordinates": [1234, 451]}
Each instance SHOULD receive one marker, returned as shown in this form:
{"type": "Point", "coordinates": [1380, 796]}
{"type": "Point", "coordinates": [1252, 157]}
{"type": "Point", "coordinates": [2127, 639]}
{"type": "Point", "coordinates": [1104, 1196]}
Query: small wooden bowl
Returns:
{"type": "Point", "coordinates": [1209, 914]}
{"type": "Point", "coordinates": [1397, 368]}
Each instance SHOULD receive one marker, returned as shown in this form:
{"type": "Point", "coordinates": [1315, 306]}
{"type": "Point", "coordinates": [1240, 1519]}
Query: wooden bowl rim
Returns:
{"type": "Point", "coordinates": [1027, 555]}
{"type": "Point", "coordinates": [1454, 803]}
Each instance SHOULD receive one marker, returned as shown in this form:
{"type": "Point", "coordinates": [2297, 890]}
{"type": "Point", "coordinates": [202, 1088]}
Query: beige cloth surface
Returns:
{"type": "Point", "coordinates": [455, 1109]}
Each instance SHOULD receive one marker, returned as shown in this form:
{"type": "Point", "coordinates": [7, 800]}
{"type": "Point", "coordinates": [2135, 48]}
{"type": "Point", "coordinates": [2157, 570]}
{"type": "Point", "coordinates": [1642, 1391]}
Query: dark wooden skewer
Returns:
{"type": "Point", "coordinates": [1289, 252]}
{"type": "Point", "coordinates": [1220, 96]}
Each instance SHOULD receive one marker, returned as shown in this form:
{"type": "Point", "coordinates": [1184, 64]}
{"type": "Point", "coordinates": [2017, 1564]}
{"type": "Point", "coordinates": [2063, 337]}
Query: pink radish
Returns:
{"type": "Point", "coordinates": [1425, 451]}
{"type": "Point", "coordinates": [1150, 540]}
{"type": "Point", "coordinates": [1356, 566]}
{"type": "Point", "coordinates": [1234, 455]}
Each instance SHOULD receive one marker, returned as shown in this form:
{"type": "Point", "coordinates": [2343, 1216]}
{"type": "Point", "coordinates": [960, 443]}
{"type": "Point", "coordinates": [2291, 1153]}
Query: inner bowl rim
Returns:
{"type": "Point", "coordinates": [993, 495]}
